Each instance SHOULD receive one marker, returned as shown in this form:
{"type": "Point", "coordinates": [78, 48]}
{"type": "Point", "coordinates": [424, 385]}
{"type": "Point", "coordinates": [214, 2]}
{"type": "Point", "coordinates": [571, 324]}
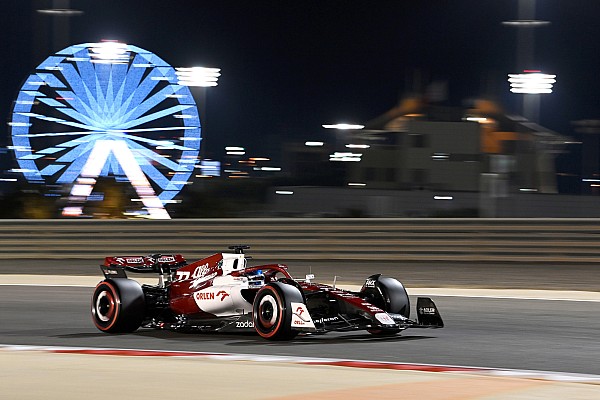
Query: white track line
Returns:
{"type": "Point", "coordinates": [439, 368]}
{"type": "Point", "coordinates": [521, 294]}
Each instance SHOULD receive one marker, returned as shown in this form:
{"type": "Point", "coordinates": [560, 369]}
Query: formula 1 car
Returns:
{"type": "Point", "coordinates": [221, 293]}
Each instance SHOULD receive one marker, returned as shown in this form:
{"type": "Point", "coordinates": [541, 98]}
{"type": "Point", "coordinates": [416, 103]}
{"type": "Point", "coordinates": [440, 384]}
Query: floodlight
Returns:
{"type": "Point", "coordinates": [198, 76]}
{"type": "Point", "coordinates": [531, 82]}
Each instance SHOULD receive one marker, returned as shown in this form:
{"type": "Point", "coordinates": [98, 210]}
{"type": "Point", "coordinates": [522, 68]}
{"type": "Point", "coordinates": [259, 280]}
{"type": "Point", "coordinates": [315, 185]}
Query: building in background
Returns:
{"type": "Point", "coordinates": [478, 153]}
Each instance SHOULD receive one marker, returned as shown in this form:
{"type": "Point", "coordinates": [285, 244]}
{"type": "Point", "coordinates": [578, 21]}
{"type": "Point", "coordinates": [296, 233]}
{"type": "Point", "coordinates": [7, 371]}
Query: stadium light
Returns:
{"type": "Point", "coordinates": [531, 82]}
{"type": "Point", "coordinates": [342, 126]}
{"type": "Point", "coordinates": [198, 76]}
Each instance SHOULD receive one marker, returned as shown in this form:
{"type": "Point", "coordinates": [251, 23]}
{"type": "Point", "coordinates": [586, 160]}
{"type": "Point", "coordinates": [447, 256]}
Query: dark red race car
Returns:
{"type": "Point", "coordinates": [222, 293]}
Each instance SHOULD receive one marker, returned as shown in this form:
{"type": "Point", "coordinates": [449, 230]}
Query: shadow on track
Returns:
{"type": "Point", "coordinates": [249, 339]}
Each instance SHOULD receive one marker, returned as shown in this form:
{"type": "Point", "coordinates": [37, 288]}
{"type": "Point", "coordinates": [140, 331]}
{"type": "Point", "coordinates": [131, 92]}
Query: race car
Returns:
{"type": "Point", "coordinates": [222, 293]}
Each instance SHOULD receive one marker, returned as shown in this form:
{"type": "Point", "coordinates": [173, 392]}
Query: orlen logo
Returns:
{"type": "Point", "coordinates": [211, 295]}
{"type": "Point", "coordinates": [205, 296]}
{"type": "Point", "coordinates": [223, 294]}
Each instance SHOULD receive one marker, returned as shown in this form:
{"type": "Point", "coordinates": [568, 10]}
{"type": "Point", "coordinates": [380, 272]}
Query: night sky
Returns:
{"type": "Point", "coordinates": [290, 66]}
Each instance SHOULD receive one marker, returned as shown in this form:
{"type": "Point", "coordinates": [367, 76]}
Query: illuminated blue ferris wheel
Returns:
{"type": "Point", "coordinates": [107, 109]}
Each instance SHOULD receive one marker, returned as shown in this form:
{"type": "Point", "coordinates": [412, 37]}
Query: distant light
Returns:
{"type": "Point", "coordinates": [284, 192]}
{"type": "Point", "coordinates": [259, 159]}
{"type": "Point", "coordinates": [19, 148]}
{"type": "Point", "coordinates": [21, 170]}
{"type": "Point", "coordinates": [109, 52]}
{"type": "Point", "coordinates": [343, 126]}
{"type": "Point", "coordinates": [234, 148]}
{"type": "Point", "coordinates": [268, 168]}
{"type": "Point", "coordinates": [443, 198]}
{"type": "Point", "coordinates": [476, 119]}
{"type": "Point", "coordinates": [356, 184]}
{"type": "Point", "coordinates": [198, 76]}
{"type": "Point", "coordinates": [19, 124]}
{"type": "Point", "coordinates": [345, 156]}
{"type": "Point", "coordinates": [210, 168]}
{"type": "Point", "coordinates": [314, 144]}
{"type": "Point", "coordinates": [236, 153]}
{"type": "Point", "coordinates": [527, 190]}
{"type": "Point", "coordinates": [72, 211]}
{"type": "Point", "coordinates": [63, 12]}
{"type": "Point", "coordinates": [440, 156]}
{"type": "Point", "coordinates": [531, 83]}
{"type": "Point", "coordinates": [526, 23]}
{"type": "Point", "coordinates": [8, 179]}
{"type": "Point", "coordinates": [358, 146]}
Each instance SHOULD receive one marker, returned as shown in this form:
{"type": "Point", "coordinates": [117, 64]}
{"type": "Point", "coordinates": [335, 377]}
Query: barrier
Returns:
{"type": "Point", "coordinates": [289, 239]}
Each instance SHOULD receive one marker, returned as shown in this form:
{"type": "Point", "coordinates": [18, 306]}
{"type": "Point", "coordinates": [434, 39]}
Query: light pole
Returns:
{"type": "Point", "coordinates": [531, 83]}
{"type": "Point", "coordinates": [528, 83]}
{"type": "Point", "coordinates": [202, 78]}
{"type": "Point", "coordinates": [60, 13]}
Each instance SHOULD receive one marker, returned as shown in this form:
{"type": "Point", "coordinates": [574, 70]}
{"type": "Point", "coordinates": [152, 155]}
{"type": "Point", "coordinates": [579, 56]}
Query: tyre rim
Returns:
{"type": "Point", "coordinates": [105, 306]}
{"type": "Point", "coordinates": [267, 311]}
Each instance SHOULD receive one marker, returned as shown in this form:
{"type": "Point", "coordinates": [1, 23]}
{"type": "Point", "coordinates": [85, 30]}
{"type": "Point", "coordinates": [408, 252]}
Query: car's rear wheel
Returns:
{"type": "Point", "coordinates": [272, 311]}
{"type": "Point", "coordinates": [118, 306]}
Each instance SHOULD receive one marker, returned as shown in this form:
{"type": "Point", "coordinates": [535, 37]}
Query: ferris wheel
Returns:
{"type": "Point", "coordinates": [107, 109]}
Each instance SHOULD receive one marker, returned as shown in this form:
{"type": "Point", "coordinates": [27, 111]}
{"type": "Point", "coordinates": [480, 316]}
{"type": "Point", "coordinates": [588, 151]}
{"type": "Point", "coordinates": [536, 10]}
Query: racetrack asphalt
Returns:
{"type": "Point", "coordinates": [151, 377]}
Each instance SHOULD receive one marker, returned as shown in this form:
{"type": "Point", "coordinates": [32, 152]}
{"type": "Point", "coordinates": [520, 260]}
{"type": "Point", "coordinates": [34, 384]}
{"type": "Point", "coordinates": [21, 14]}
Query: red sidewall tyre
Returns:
{"type": "Point", "coordinates": [272, 311]}
{"type": "Point", "coordinates": [118, 306]}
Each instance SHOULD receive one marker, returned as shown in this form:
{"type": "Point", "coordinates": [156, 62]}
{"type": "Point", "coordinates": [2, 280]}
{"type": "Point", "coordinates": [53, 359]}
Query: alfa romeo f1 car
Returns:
{"type": "Point", "coordinates": [221, 293]}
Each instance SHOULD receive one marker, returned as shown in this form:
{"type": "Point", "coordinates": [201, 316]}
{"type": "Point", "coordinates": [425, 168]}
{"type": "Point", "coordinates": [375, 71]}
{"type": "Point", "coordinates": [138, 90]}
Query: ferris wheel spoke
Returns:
{"type": "Point", "coordinates": [148, 154]}
{"type": "Point", "coordinates": [74, 169]}
{"type": "Point", "coordinates": [155, 175]}
{"type": "Point", "coordinates": [142, 90]}
{"type": "Point", "coordinates": [148, 104]}
{"type": "Point", "coordinates": [81, 140]}
{"type": "Point", "coordinates": [167, 128]}
{"type": "Point", "coordinates": [159, 144]}
{"type": "Point", "coordinates": [57, 120]}
{"type": "Point", "coordinates": [156, 115]}
{"type": "Point", "coordinates": [81, 83]}
{"type": "Point", "coordinates": [83, 110]}
{"type": "Point", "coordinates": [127, 90]}
{"type": "Point", "coordinates": [56, 134]}
{"type": "Point", "coordinates": [85, 119]}
{"type": "Point", "coordinates": [77, 151]}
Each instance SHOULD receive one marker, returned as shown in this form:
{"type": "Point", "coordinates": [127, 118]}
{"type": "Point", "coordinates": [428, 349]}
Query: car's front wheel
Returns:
{"type": "Point", "coordinates": [272, 311]}
{"type": "Point", "coordinates": [118, 306]}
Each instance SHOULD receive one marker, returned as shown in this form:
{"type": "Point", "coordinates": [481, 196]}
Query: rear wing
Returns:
{"type": "Point", "coordinates": [115, 267]}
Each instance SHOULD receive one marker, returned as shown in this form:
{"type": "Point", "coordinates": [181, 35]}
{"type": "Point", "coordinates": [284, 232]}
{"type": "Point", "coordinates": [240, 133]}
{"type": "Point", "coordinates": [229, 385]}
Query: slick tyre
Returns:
{"type": "Point", "coordinates": [118, 306]}
{"type": "Point", "coordinates": [388, 294]}
{"type": "Point", "coordinates": [272, 311]}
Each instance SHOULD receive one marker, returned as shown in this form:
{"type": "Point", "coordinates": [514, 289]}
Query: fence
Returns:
{"type": "Point", "coordinates": [568, 241]}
